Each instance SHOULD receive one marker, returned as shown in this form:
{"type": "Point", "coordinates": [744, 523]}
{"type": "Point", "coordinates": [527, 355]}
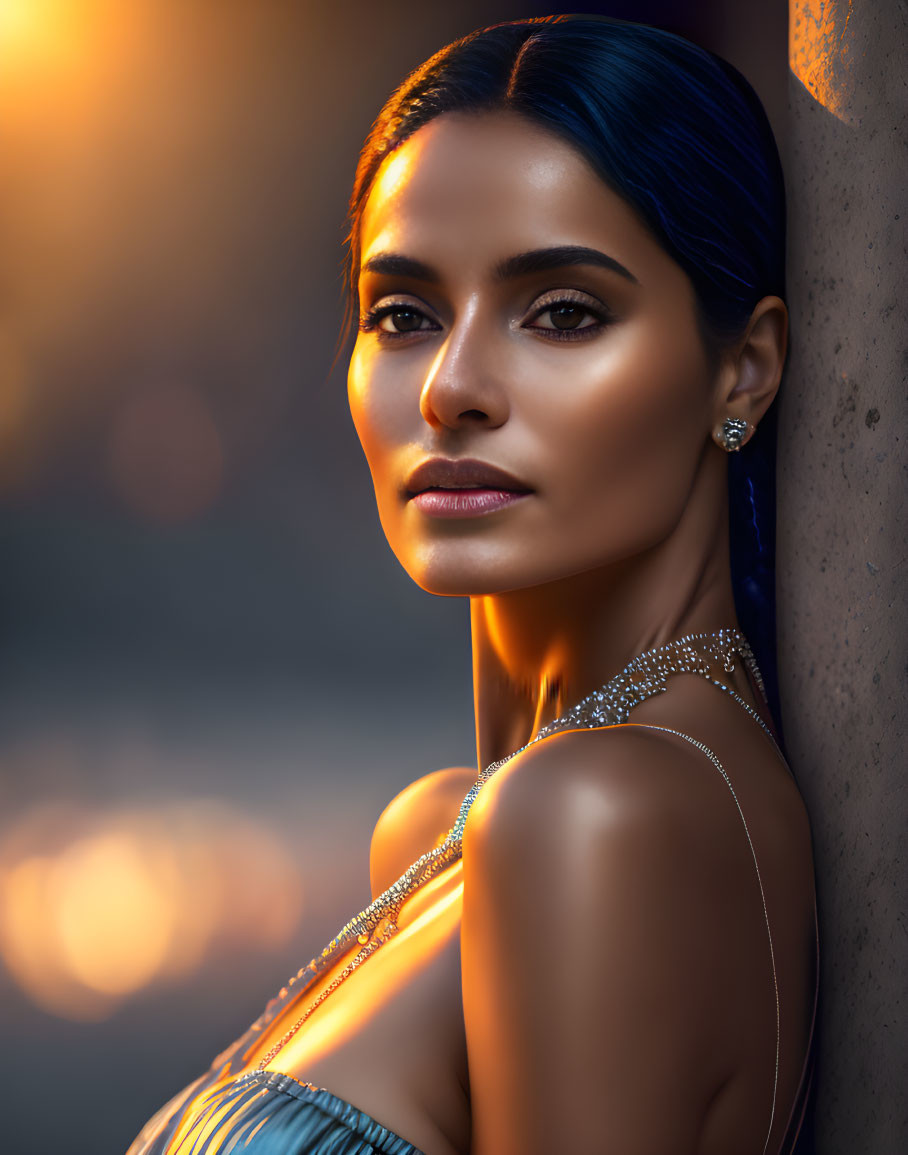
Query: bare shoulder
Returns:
{"type": "Point", "coordinates": [414, 821]}
{"type": "Point", "coordinates": [602, 826]}
{"type": "Point", "coordinates": [602, 921]}
{"type": "Point", "coordinates": [588, 784]}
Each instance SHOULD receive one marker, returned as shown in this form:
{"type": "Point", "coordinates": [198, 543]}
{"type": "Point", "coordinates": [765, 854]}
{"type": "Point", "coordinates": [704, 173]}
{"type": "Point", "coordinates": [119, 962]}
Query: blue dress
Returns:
{"type": "Point", "coordinates": [269, 1114]}
{"type": "Point", "coordinates": [263, 1112]}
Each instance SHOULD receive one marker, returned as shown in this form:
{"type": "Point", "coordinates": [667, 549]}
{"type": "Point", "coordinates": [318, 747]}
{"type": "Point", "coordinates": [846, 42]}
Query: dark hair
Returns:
{"type": "Point", "coordinates": [679, 135]}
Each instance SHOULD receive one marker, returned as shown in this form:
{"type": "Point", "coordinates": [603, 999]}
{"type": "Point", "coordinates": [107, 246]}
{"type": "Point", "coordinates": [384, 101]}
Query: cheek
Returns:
{"type": "Point", "coordinates": [623, 438]}
{"type": "Point", "coordinates": [375, 410]}
{"type": "Point", "coordinates": [379, 413]}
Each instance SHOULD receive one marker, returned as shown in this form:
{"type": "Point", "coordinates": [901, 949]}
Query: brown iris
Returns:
{"type": "Point", "coordinates": [405, 320]}
{"type": "Point", "coordinates": [566, 316]}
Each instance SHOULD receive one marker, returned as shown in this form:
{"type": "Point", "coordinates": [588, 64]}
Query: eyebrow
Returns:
{"type": "Point", "coordinates": [521, 265]}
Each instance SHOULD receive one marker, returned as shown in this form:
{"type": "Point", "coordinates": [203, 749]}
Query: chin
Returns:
{"type": "Point", "coordinates": [462, 572]}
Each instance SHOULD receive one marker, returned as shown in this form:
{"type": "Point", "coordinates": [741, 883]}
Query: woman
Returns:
{"type": "Point", "coordinates": [567, 260]}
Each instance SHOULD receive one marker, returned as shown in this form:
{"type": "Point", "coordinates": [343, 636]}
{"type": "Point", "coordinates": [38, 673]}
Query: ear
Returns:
{"type": "Point", "coordinates": [751, 369]}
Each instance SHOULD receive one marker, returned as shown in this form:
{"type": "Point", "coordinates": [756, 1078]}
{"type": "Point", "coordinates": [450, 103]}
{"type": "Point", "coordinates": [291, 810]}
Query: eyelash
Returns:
{"type": "Point", "coordinates": [369, 322]}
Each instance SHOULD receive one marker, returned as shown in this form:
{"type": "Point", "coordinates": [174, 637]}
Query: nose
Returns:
{"type": "Point", "coordinates": [464, 386]}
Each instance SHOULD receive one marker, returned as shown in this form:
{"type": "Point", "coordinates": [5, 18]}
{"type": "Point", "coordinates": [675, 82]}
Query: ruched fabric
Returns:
{"type": "Point", "coordinates": [267, 1113]}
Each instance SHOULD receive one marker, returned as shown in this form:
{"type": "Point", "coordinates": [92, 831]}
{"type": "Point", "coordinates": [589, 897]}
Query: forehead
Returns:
{"type": "Point", "coordinates": [494, 184]}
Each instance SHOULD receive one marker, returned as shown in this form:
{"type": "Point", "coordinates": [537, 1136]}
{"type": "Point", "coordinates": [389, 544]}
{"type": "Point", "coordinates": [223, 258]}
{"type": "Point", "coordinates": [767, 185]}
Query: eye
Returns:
{"type": "Point", "coordinates": [567, 316]}
{"type": "Point", "coordinates": [564, 317]}
{"type": "Point", "coordinates": [396, 320]}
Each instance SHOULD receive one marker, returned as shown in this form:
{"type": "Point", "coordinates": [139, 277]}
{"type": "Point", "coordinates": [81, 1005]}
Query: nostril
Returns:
{"type": "Point", "coordinates": [476, 414]}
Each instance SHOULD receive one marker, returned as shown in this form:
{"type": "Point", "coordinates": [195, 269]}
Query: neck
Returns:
{"type": "Point", "coordinates": [538, 651]}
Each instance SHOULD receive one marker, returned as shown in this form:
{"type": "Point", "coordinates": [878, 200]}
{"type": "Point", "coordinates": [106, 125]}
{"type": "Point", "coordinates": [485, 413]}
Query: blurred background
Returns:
{"type": "Point", "coordinates": [214, 674]}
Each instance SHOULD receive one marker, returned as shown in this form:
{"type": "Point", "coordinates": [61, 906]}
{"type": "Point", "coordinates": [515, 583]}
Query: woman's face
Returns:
{"type": "Point", "coordinates": [516, 316]}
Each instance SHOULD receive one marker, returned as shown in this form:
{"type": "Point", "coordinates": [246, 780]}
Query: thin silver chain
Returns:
{"type": "Point", "coordinates": [643, 677]}
{"type": "Point", "coordinates": [772, 954]}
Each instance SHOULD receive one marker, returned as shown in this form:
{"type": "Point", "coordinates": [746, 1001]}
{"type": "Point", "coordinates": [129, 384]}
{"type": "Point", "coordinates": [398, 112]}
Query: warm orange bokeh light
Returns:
{"type": "Point", "coordinates": [116, 941]}
{"type": "Point", "coordinates": [31, 944]}
{"type": "Point", "coordinates": [115, 228]}
{"type": "Point", "coordinates": [95, 909]}
{"type": "Point", "coordinates": [819, 52]}
{"type": "Point", "coordinates": [35, 30]}
{"type": "Point", "coordinates": [54, 48]}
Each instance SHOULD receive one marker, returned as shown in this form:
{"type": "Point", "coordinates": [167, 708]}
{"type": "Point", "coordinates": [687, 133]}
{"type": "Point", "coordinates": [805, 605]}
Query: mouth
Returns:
{"type": "Point", "coordinates": [446, 488]}
{"type": "Point", "coordinates": [463, 474]}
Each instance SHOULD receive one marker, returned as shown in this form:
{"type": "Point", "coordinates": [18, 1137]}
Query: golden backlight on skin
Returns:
{"type": "Point", "coordinates": [94, 909]}
{"type": "Point", "coordinates": [394, 171]}
{"type": "Point", "coordinates": [392, 175]}
{"type": "Point", "coordinates": [427, 922]}
{"type": "Point", "coordinates": [819, 52]}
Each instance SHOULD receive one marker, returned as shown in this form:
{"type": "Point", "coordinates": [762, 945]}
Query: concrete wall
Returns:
{"type": "Point", "coordinates": [841, 543]}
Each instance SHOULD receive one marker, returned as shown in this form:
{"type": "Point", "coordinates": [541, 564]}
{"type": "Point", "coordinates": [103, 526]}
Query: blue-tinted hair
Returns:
{"type": "Point", "coordinates": [680, 136]}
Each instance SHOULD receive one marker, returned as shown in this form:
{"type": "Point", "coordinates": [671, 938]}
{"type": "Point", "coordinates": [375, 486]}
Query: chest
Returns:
{"type": "Point", "coordinates": [390, 1036]}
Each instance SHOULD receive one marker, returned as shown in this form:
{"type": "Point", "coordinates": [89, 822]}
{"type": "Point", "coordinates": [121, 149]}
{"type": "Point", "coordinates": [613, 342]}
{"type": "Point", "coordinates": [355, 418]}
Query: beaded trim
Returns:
{"type": "Point", "coordinates": [610, 705]}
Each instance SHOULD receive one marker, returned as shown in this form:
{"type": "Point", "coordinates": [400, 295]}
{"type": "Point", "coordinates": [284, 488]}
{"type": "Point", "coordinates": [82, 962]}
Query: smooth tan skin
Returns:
{"type": "Point", "coordinates": [594, 975]}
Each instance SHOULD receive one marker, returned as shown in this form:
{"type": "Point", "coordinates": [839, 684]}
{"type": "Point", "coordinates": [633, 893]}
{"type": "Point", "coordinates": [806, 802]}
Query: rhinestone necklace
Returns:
{"type": "Point", "coordinates": [610, 705]}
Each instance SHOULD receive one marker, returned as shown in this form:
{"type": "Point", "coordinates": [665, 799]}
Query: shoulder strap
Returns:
{"type": "Point", "coordinates": [772, 957]}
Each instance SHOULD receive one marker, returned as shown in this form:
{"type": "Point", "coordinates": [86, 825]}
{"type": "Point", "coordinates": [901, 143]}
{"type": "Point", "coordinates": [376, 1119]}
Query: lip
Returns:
{"type": "Point", "coordinates": [462, 474]}
{"type": "Point", "coordinates": [465, 502]}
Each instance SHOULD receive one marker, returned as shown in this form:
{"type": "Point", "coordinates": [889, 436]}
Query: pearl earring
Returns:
{"type": "Point", "coordinates": [731, 434]}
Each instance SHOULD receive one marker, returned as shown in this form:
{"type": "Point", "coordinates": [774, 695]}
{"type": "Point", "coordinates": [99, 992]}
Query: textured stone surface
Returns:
{"type": "Point", "coordinates": [841, 543]}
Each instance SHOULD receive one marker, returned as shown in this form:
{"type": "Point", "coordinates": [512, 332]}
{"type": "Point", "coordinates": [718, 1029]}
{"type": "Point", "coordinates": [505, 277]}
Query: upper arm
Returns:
{"type": "Point", "coordinates": [414, 821]}
{"type": "Point", "coordinates": [591, 968]}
